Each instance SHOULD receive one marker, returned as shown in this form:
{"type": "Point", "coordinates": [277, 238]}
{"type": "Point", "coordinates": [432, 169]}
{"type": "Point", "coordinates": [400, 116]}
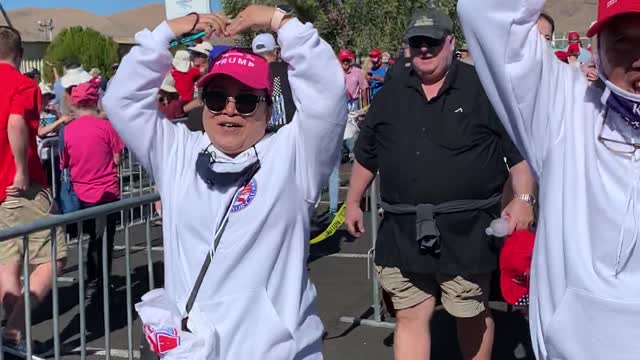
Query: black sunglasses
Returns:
{"type": "Point", "coordinates": [246, 103]}
{"type": "Point", "coordinates": [418, 42]}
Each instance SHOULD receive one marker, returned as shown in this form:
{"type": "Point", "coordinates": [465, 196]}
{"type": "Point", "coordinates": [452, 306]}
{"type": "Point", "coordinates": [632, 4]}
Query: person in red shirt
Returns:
{"type": "Point", "coordinates": [185, 75]}
{"type": "Point", "coordinates": [24, 197]}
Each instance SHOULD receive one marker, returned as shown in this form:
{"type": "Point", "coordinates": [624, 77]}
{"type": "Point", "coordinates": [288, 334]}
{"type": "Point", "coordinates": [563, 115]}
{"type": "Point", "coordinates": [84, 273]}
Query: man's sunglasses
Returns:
{"type": "Point", "coordinates": [246, 103]}
{"type": "Point", "coordinates": [418, 42]}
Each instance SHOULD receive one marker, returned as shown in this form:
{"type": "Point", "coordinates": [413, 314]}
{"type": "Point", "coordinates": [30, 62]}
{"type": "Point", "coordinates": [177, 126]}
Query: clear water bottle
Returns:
{"type": "Point", "coordinates": [498, 228]}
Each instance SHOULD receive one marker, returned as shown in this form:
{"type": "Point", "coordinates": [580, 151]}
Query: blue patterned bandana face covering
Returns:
{"type": "Point", "coordinates": [626, 104]}
{"type": "Point", "coordinates": [225, 174]}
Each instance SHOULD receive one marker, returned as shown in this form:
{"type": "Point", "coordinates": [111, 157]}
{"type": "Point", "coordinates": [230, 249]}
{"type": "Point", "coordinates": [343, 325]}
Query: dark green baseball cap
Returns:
{"type": "Point", "coordinates": [430, 22]}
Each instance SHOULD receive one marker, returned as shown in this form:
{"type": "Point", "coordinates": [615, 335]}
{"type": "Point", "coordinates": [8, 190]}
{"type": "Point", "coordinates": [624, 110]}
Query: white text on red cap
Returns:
{"type": "Point", "coordinates": [236, 58]}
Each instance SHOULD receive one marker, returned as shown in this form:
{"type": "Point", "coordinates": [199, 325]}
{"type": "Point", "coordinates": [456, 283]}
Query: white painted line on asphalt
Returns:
{"type": "Point", "coordinates": [349, 256]}
{"type": "Point", "coordinates": [153, 248]}
{"type": "Point", "coordinates": [123, 354]}
{"type": "Point", "coordinates": [160, 248]}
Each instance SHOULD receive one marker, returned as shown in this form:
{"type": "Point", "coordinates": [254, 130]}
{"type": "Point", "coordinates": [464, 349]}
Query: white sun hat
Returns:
{"type": "Point", "coordinates": [75, 76]}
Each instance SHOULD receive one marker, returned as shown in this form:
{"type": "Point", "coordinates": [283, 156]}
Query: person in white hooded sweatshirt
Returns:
{"type": "Point", "coordinates": [256, 294]}
{"type": "Point", "coordinates": [582, 143]}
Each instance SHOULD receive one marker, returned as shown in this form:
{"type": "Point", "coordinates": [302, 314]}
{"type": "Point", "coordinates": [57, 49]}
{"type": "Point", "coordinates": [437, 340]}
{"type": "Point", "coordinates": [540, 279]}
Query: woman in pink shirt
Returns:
{"type": "Point", "coordinates": [91, 151]}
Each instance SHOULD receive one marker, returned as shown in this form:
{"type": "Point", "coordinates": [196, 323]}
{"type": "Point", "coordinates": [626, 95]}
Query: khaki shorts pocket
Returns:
{"type": "Point", "coordinates": [464, 297]}
{"type": "Point", "coordinates": [15, 211]}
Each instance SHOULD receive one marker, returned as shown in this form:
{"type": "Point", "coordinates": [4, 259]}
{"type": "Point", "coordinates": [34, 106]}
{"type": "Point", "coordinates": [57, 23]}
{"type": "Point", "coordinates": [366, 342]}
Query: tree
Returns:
{"type": "Point", "coordinates": [307, 10]}
{"type": "Point", "coordinates": [450, 6]}
{"type": "Point", "coordinates": [91, 48]}
{"type": "Point", "coordinates": [359, 25]}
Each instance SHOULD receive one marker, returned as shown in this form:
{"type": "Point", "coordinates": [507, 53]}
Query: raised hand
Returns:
{"type": "Point", "coordinates": [210, 23]}
{"type": "Point", "coordinates": [255, 17]}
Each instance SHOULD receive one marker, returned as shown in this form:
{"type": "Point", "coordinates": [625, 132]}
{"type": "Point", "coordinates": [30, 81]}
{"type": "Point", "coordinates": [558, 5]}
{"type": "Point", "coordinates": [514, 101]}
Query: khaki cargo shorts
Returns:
{"type": "Point", "coordinates": [34, 205]}
{"type": "Point", "coordinates": [462, 297]}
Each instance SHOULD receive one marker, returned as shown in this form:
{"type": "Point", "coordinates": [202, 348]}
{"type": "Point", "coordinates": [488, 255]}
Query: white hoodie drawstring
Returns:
{"type": "Point", "coordinates": [623, 256]}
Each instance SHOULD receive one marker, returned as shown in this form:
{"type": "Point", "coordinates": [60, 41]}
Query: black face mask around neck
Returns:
{"type": "Point", "coordinates": [204, 167]}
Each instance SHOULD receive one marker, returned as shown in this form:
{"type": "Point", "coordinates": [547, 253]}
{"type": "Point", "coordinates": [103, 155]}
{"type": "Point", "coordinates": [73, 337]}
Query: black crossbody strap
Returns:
{"type": "Point", "coordinates": [216, 240]}
{"type": "Point", "coordinates": [205, 266]}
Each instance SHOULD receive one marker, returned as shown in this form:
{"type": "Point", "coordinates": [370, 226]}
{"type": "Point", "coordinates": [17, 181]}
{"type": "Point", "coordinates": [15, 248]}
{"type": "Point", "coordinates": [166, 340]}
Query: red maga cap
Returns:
{"type": "Point", "coordinates": [375, 53]}
{"type": "Point", "coordinates": [562, 56]}
{"type": "Point", "coordinates": [574, 35]}
{"type": "Point", "coordinates": [85, 94]}
{"type": "Point", "coordinates": [244, 66]}
{"type": "Point", "coordinates": [515, 267]}
{"type": "Point", "coordinates": [608, 9]}
{"type": "Point", "coordinates": [573, 49]}
{"type": "Point", "coordinates": [345, 54]}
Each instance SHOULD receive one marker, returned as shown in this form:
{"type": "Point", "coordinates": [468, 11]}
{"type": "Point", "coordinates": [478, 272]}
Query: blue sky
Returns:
{"type": "Point", "coordinates": [100, 7]}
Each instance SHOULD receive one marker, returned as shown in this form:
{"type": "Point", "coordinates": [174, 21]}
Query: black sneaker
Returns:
{"type": "Point", "coordinates": [327, 218]}
{"type": "Point", "coordinates": [19, 348]}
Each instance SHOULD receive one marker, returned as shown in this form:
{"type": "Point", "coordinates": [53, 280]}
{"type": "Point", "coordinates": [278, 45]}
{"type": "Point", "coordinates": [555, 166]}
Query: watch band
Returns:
{"type": "Point", "coordinates": [529, 198]}
{"type": "Point", "coordinates": [277, 18]}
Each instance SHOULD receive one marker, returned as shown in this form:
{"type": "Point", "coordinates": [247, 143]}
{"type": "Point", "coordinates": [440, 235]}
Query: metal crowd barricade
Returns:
{"type": "Point", "coordinates": [377, 320]}
{"type": "Point", "coordinates": [134, 181]}
{"type": "Point", "coordinates": [56, 223]}
{"type": "Point", "coordinates": [50, 147]}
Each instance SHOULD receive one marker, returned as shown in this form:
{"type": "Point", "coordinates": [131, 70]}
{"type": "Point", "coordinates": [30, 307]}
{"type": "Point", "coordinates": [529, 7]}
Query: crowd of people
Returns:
{"type": "Point", "coordinates": [461, 138]}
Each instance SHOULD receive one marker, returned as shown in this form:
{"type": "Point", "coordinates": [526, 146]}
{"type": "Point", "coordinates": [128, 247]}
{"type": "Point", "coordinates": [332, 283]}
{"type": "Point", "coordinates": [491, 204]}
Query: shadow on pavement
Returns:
{"type": "Point", "coordinates": [512, 341]}
{"type": "Point", "coordinates": [331, 245]}
{"type": "Point", "coordinates": [69, 301]}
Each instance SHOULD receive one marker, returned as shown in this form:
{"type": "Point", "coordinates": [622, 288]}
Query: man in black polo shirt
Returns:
{"type": "Point", "coordinates": [435, 139]}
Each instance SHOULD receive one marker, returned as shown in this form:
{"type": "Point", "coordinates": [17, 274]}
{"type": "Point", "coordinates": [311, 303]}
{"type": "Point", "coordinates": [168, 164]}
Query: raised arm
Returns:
{"type": "Point", "coordinates": [524, 81]}
{"type": "Point", "coordinates": [131, 105]}
{"type": "Point", "coordinates": [319, 92]}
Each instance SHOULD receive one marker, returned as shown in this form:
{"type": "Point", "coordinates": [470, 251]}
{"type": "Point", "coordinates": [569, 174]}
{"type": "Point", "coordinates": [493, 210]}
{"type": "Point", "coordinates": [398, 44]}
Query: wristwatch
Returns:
{"type": "Point", "coordinates": [529, 198]}
{"type": "Point", "coordinates": [282, 11]}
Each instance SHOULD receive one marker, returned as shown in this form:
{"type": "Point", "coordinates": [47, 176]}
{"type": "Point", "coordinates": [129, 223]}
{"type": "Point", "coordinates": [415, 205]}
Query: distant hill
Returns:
{"type": "Point", "coordinates": [121, 26]}
{"type": "Point", "coordinates": [572, 15]}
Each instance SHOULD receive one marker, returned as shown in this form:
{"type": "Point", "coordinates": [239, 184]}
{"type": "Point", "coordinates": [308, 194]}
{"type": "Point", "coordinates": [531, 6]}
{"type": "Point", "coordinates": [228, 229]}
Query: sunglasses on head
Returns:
{"type": "Point", "coordinates": [246, 103]}
{"type": "Point", "coordinates": [418, 42]}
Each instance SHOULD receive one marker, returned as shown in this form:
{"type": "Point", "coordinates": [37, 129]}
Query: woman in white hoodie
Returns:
{"type": "Point", "coordinates": [582, 143]}
{"type": "Point", "coordinates": [256, 295]}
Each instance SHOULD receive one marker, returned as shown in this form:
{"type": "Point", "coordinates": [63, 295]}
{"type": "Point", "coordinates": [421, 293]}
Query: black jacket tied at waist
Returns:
{"type": "Point", "coordinates": [427, 233]}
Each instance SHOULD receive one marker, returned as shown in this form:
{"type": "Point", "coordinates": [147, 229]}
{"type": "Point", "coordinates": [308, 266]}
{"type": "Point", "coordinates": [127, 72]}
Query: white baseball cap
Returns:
{"type": "Point", "coordinates": [263, 43]}
{"type": "Point", "coordinates": [45, 89]}
{"type": "Point", "coordinates": [202, 48]}
{"type": "Point", "coordinates": [182, 61]}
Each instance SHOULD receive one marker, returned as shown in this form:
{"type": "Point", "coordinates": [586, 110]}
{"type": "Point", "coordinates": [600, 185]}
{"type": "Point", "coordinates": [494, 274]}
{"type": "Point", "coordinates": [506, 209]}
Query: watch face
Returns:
{"type": "Point", "coordinates": [285, 8]}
